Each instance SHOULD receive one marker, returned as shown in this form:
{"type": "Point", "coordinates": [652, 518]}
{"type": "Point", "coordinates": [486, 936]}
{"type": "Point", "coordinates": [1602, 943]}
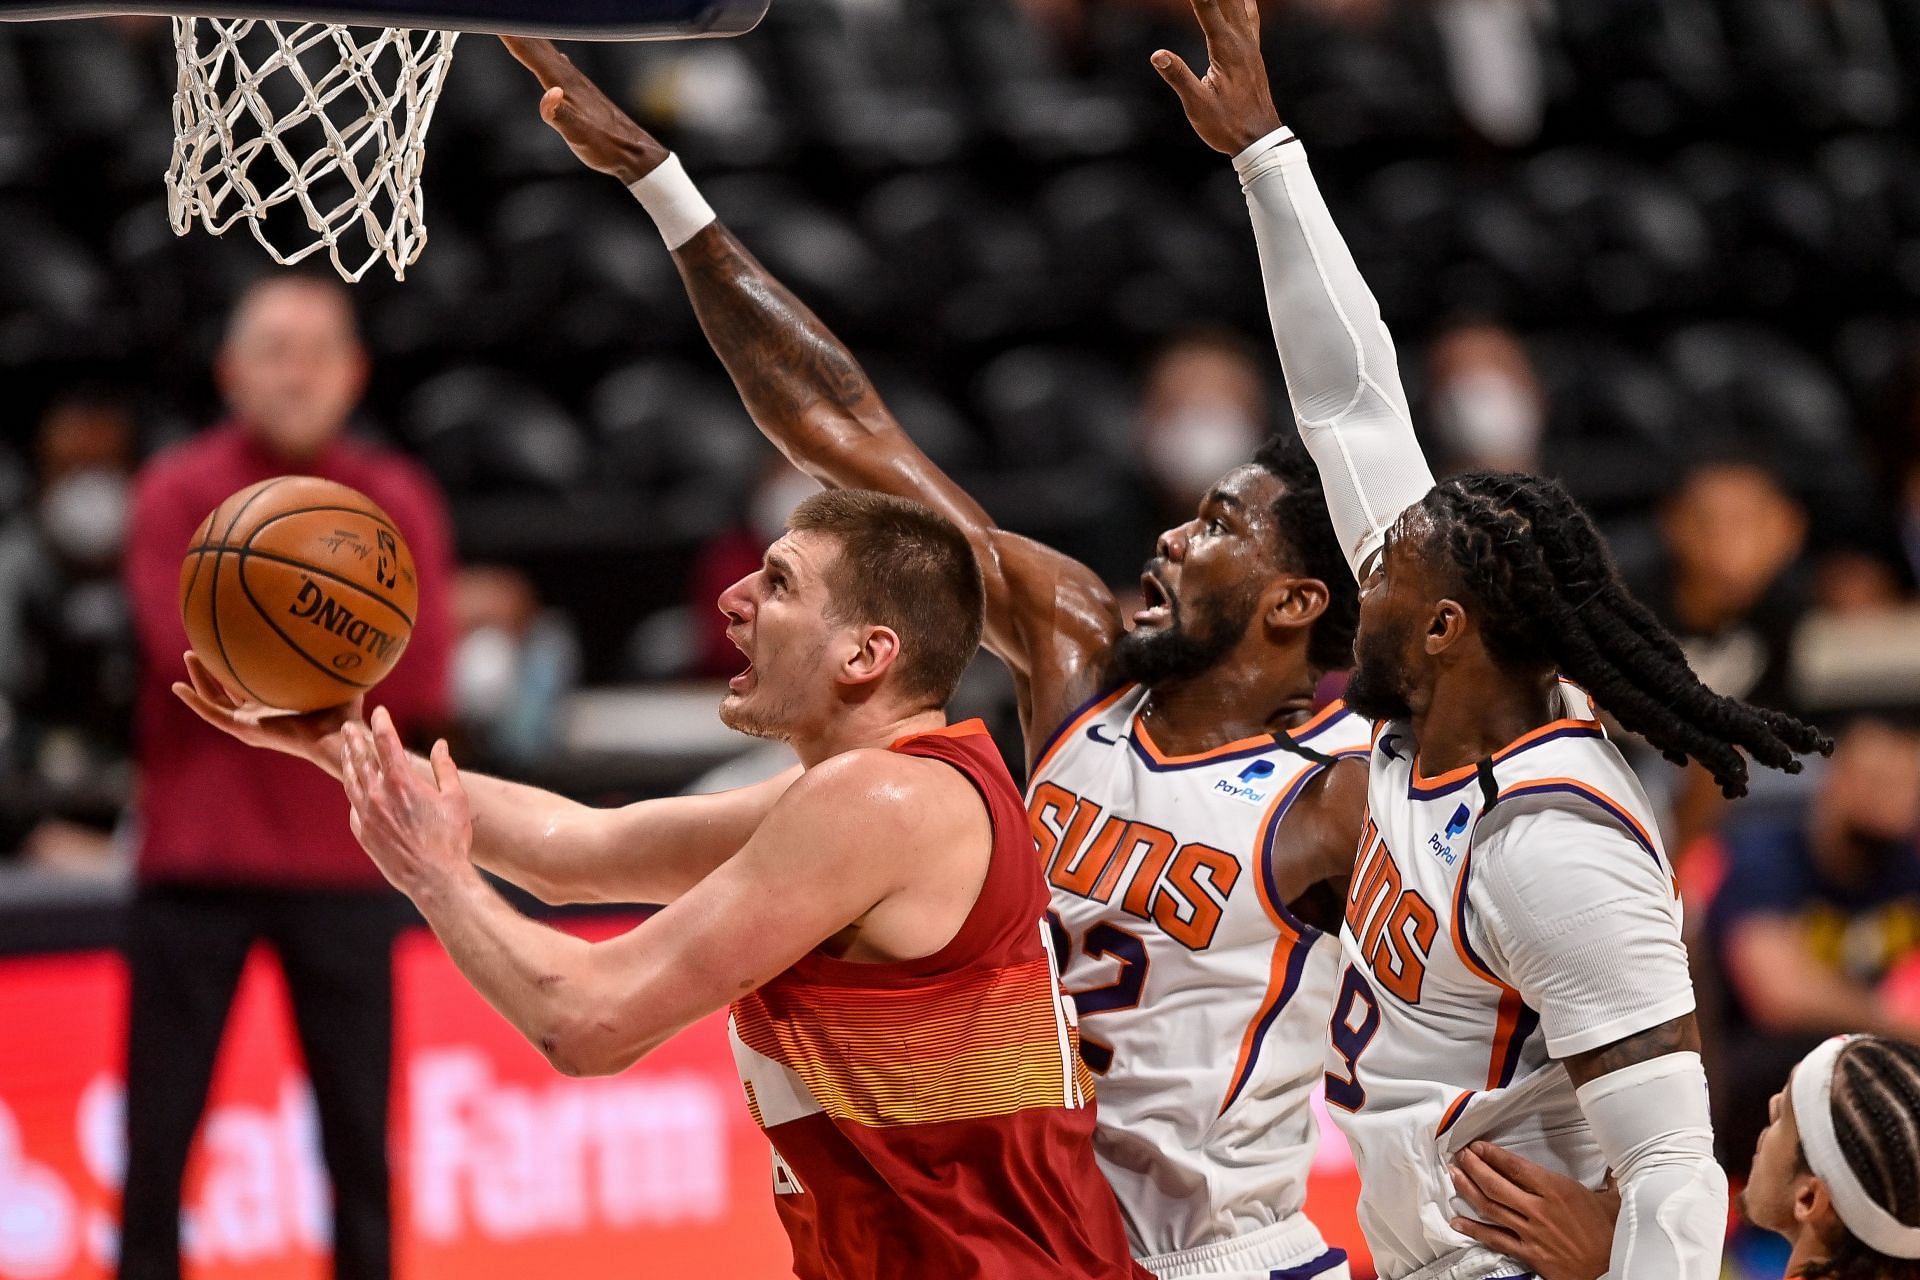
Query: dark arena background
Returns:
{"type": "Point", "coordinates": [1667, 251]}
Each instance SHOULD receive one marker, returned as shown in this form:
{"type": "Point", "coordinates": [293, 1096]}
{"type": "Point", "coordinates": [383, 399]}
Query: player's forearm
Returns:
{"type": "Point", "coordinates": [653, 851]}
{"type": "Point", "coordinates": [542, 981]}
{"type": "Point", "coordinates": [1342, 375]}
{"type": "Point", "coordinates": [810, 397]}
{"type": "Point", "coordinates": [529, 837]}
{"type": "Point", "coordinates": [784, 362]}
{"type": "Point", "coordinates": [802, 386]}
{"type": "Point", "coordinates": [1646, 1099]}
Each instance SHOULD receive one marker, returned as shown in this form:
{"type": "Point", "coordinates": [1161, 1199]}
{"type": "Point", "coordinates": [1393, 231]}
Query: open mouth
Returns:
{"type": "Point", "coordinates": [740, 682]}
{"type": "Point", "coordinates": [1158, 609]}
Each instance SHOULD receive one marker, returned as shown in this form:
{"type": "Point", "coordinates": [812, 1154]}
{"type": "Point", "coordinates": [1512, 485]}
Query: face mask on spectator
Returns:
{"type": "Point", "coordinates": [84, 515]}
{"type": "Point", "coordinates": [1197, 445]}
{"type": "Point", "coordinates": [1488, 419]}
{"type": "Point", "coordinates": [774, 501]}
{"type": "Point", "coordinates": [486, 668]}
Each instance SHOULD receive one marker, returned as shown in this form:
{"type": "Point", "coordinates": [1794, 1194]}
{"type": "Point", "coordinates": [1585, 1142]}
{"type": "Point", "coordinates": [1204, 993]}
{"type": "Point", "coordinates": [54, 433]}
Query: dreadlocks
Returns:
{"type": "Point", "coordinates": [1548, 594]}
{"type": "Point", "coordinates": [1876, 1117]}
{"type": "Point", "coordinates": [1306, 537]}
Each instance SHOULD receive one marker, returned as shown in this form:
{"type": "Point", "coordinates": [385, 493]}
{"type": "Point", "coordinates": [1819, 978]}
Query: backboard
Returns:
{"type": "Point", "coordinates": [558, 19]}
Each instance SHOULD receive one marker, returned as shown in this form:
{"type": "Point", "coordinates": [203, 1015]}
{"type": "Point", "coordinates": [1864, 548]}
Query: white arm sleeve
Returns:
{"type": "Point", "coordinates": [1580, 919]}
{"type": "Point", "coordinates": [1651, 1121]}
{"type": "Point", "coordinates": [1342, 376]}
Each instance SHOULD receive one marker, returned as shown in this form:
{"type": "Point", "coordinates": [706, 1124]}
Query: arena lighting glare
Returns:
{"type": "Point", "coordinates": [324, 108]}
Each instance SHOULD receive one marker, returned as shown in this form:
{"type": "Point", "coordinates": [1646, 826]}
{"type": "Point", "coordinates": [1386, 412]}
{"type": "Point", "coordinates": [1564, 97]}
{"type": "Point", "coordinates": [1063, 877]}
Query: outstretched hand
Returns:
{"type": "Point", "coordinates": [314, 737]}
{"type": "Point", "coordinates": [1231, 107]}
{"type": "Point", "coordinates": [600, 133]}
{"type": "Point", "coordinates": [417, 827]}
{"type": "Point", "coordinates": [1545, 1221]}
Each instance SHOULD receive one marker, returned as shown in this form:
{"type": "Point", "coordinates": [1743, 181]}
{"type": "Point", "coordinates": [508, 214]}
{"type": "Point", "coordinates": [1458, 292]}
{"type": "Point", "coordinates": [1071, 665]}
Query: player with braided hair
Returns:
{"type": "Point", "coordinates": [1547, 591]}
{"type": "Point", "coordinates": [1512, 963]}
{"type": "Point", "coordinates": [1836, 1171]}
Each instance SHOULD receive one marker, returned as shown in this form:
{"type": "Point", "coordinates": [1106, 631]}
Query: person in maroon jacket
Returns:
{"type": "Point", "coordinates": [238, 846]}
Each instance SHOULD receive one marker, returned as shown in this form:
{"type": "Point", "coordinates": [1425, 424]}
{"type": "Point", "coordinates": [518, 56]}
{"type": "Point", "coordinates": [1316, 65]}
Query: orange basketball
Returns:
{"type": "Point", "coordinates": [298, 593]}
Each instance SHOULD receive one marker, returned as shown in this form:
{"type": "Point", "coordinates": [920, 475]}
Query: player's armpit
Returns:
{"type": "Point", "coordinates": [1318, 838]}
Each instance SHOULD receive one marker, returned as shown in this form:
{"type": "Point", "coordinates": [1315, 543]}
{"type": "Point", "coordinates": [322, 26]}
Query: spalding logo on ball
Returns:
{"type": "Point", "coordinates": [298, 593]}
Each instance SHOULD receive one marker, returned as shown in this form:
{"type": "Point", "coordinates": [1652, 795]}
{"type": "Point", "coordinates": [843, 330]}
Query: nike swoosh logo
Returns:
{"type": "Point", "coordinates": [1386, 745]}
{"type": "Point", "coordinates": [1093, 731]}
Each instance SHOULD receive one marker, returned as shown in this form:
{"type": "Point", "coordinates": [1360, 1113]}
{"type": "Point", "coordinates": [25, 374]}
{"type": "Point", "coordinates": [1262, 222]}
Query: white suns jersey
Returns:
{"type": "Point", "coordinates": [1500, 916]}
{"type": "Point", "coordinates": [1202, 1001]}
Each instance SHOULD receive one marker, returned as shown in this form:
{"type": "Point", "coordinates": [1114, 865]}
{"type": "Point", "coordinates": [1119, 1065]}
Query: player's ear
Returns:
{"type": "Point", "coordinates": [1446, 627]}
{"type": "Point", "coordinates": [1813, 1205]}
{"type": "Point", "coordinates": [876, 650]}
{"type": "Point", "coordinates": [1295, 602]}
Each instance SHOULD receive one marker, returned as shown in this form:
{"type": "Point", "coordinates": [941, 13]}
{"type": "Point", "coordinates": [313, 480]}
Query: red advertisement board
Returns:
{"type": "Point", "coordinates": [504, 1169]}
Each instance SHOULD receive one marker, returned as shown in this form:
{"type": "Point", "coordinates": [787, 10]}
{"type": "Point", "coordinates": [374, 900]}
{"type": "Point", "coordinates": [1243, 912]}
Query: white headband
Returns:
{"type": "Point", "coordinates": [1813, 1113]}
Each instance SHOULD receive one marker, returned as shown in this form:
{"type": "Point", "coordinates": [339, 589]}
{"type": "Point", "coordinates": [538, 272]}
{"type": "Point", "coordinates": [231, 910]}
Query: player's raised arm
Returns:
{"type": "Point", "coordinates": [1342, 377]}
{"type": "Point", "coordinates": [1049, 618]}
{"type": "Point", "coordinates": [555, 848]}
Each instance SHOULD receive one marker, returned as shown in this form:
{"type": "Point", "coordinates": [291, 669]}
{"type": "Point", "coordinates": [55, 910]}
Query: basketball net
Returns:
{"type": "Point", "coordinates": [325, 121]}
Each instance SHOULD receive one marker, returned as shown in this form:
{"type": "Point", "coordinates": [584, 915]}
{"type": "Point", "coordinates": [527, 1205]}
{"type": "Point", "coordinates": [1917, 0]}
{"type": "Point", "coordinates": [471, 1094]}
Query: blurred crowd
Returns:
{"type": "Point", "coordinates": [1668, 250]}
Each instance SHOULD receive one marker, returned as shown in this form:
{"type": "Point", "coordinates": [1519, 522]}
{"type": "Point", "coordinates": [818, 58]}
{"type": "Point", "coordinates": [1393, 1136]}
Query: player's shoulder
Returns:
{"type": "Point", "coordinates": [1561, 847]}
{"type": "Point", "coordinates": [883, 790]}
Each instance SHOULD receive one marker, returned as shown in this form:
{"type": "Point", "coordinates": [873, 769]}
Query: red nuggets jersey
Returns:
{"type": "Point", "coordinates": [932, 1117]}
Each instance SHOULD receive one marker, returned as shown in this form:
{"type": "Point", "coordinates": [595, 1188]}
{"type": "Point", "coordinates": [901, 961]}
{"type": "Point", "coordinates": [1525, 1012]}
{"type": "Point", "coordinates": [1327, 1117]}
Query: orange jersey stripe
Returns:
{"type": "Point", "coordinates": [1145, 739]}
{"type": "Point", "coordinates": [967, 1048]}
{"type": "Point", "coordinates": [1276, 985]}
{"type": "Point", "coordinates": [1503, 1032]}
{"type": "Point", "coordinates": [1466, 770]}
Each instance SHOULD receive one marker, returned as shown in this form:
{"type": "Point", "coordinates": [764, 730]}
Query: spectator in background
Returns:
{"type": "Point", "coordinates": [238, 846]}
{"type": "Point", "coordinates": [1813, 922]}
{"type": "Point", "coordinates": [514, 665]}
{"type": "Point", "coordinates": [1733, 587]}
{"type": "Point", "coordinates": [1486, 406]}
{"type": "Point", "coordinates": [1204, 408]}
{"type": "Point", "coordinates": [1496, 65]}
{"type": "Point", "coordinates": [66, 651]}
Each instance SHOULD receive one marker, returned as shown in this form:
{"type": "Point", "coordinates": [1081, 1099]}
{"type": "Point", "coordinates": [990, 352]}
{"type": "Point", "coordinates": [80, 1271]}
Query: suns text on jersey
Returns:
{"type": "Point", "coordinates": [1181, 887]}
{"type": "Point", "coordinates": [1393, 925]}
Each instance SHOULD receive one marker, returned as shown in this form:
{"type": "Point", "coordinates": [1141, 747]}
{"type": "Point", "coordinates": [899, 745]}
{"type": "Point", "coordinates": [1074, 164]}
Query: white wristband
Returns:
{"type": "Point", "coordinates": [676, 205]}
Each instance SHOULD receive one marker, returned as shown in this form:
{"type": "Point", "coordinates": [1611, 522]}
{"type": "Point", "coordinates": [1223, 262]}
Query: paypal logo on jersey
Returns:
{"type": "Point", "coordinates": [1248, 788]}
{"type": "Point", "coordinates": [1441, 845]}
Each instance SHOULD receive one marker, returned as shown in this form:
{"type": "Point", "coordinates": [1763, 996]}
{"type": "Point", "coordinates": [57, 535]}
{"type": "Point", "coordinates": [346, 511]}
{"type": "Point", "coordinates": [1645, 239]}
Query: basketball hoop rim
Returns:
{"type": "Point", "coordinates": [729, 18]}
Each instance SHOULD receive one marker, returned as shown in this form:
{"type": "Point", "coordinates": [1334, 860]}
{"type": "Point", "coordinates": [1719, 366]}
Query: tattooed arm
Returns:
{"type": "Point", "coordinates": [1049, 618]}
